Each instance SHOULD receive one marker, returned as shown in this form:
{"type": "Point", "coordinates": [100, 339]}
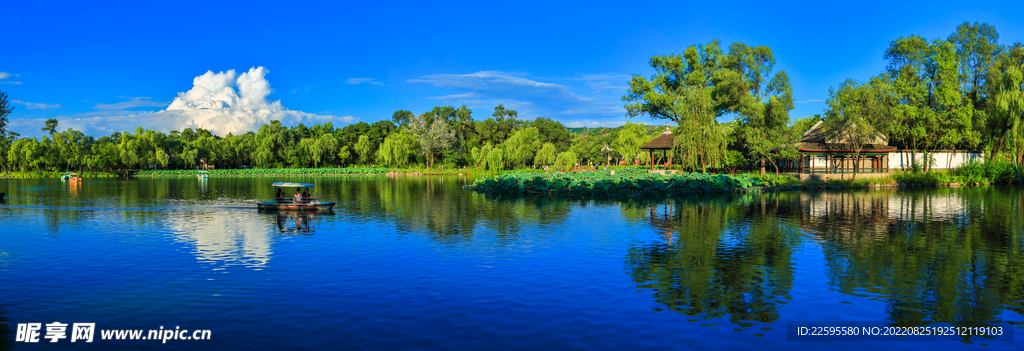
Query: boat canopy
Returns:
{"type": "Point", "coordinates": [293, 185]}
{"type": "Point", "coordinates": [201, 172]}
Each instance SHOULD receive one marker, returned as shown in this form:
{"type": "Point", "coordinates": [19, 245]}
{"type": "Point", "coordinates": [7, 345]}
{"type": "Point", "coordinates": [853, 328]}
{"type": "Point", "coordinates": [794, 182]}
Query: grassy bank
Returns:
{"type": "Point", "coordinates": [87, 175]}
{"type": "Point", "coordinates": [970, 174]}
{"type": "Point", "coordinates": [628, 181]}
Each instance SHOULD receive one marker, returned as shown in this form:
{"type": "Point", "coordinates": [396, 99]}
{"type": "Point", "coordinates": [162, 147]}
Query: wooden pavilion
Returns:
{"type": "Point", "coordinates": [662, 142]}
{"type": "Point", "coordinates": [821, 154]}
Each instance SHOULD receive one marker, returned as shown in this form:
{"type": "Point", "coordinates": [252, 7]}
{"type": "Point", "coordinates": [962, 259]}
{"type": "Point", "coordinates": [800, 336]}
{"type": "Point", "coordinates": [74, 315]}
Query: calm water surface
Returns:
{"type": "Point", "coordinates": [419, 263]}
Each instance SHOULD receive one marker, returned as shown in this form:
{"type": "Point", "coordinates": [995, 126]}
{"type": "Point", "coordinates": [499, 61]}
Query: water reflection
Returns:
{"type": "Point", "coordinates": [938, 257]}
{"type": "Point", "coordinates": [301, 223]}
{"type": "Point", "coordinates": [440, 208]}
{"type": "Point", "coordinates": [720, 257]}
{"type": "Point", "coordinates": [932, 256]}
{"type": "Point", "coordinates": [6, 332]}
{"type": "Point", "coordinates": [231, 239]}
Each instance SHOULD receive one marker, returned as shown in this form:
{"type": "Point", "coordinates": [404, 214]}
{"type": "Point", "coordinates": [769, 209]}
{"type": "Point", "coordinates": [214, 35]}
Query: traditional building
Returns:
{"type": "Point", "coordinates": [664, 143]}
{"type": "Point", "coordinates": [820, 154]}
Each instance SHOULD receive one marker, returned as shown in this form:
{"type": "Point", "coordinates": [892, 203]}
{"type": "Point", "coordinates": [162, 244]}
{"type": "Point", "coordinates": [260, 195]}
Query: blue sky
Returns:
{"type": "Point", "coordinates": [115, 66]}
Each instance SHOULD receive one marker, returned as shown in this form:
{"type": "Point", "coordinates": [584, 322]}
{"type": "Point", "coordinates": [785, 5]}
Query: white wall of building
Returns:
{"type": "Point", "coordinates": [941, 159]}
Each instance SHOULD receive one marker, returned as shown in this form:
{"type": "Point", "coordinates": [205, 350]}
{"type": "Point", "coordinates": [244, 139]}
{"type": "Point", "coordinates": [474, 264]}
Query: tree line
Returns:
{"type": "Point", "coordinates": [445, 136]}
{"type": "Point", "coordinates": [962, 92]}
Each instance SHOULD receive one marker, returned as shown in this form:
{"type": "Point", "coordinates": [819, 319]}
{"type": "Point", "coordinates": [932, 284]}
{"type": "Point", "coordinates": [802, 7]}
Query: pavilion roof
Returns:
{"type": "Point", "coordinates": [662, 142]}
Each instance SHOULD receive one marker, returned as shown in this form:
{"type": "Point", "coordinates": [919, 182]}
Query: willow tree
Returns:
{"type": "Point", "coordinates": [495, 160]}
{"type": "Point", "coordinates": [565, 161]}
{"type": "Point", "coordinates": [700, 141]}
{"type": "Point", "coordinates": [319, 148]}
{"type": "Point", "coordinates": [547, 155]}
{"type": "Point", "coordinates": [1007, 106]}
{"type": "Point", "coordinates": [522, 146]}
{"type": "Point", "coordinates": [396, 149]}
{"type": "Point", "coordinates": [364, 148]}
{"type": "Point", "coordinates": [630, 139]}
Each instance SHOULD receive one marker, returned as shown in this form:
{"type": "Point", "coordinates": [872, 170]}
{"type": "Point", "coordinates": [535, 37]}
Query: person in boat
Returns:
{"type": "Point", "coordinates": [305, 194]}
{"type": "Point", "coordinates": [279, 193]}
{"type": "Point", "coordinates": [298, 196]}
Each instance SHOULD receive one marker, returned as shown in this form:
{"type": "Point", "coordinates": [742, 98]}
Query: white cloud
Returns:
{"type": "Point", "coordinates": [532, 98]}
{"type": "Point", "coordinates": [139, 101]}
{"type": "Point", "coordinates": [34, 105]}
{"type": "Point", "coordinates": [615, 83]}
{"type": "Point", "coordinates": [455, 96]}
{"type": "Point", "coordinates": [213, 103]}
{"type": "Point", "coordinates": [596, 124]}
{"type": "Point", "coordinates": [363, 80]}
{"type": "Point", "coordinates": [5, 75]}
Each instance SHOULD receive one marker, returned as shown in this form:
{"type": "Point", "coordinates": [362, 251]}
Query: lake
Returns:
{"type": "Point", "coordinates": [420, 263]}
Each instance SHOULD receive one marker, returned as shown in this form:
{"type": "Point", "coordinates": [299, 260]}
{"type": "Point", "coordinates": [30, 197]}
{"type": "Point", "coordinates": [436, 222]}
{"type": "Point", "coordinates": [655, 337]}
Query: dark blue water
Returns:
{"type": "Point", "coordinates": [419, 263]}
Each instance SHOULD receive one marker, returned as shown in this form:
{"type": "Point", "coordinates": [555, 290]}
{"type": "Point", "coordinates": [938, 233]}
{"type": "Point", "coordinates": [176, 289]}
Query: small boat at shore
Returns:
{"type": "Point", "coordinates": [73, 177]}
{"type": "Point", "coordinates": [203, 175]}
{"type": "Point", "coordinates": [304, 199]}
{"type": "Point", "coordinates": [65, 176]}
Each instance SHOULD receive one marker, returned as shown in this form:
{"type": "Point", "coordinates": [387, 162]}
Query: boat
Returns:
{"type": "Point", "coordinates": [203, 175]}
{"type": "Point", "coordinates": [74, 178]}
{"type": "Point", "coordinates": [65, 176]}
{"type": "Point", "coordinates": [305, 201]}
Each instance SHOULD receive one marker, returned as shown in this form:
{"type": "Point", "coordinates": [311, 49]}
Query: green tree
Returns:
{"type": "Point", "coordinates": [5, 110]}
{"type": "Point", "coordinates": [344, 153]}
{"type": "Point", "coordinates": [551, 131]}
{"type": "Point", "coordinates": [495, 159]}
{"type": "Point", "coordinates": [741, 82]}
{"type": "Point", "coordinates": [51, 126]}
{"type": "Point", "coordinates": [977, 46]}
{"type": "Point", "coordinates": [630, 139]}
{"type": "Point", "coordinates": [189, 156]}
{"type": "Point", "coordinates": [500, 113]}
{"type": "Point", "coordinates": [521, 147]}
{"type": "Point", "coordinates": [1006, 88]}
{"type": "Point", "coordinates": [762, 101]}
{"type": "Point", "coordinates": [434, 135]}
{"type": "Point", "coordinates": [854, 111]}
{"type": "Point", "coordinates": [396, 149]}
{"type": "Point", "coordinates": [364, 149]}
{"type": "Point", "coordinates": [402, 117]}
{"type": "Point", "coordinates": [658, 97]}
{"type": "Point", "coordinates": [565, 161]}
{"type": "Point", "coordinates": [547, 155]}
{"type": "Point", "coordinates": [700, 141]}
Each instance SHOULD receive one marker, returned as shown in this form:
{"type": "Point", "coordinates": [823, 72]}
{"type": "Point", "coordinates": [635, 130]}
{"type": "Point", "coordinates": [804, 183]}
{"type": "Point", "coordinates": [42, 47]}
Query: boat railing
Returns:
{"type": "Point", "coordinates": [291, 199]}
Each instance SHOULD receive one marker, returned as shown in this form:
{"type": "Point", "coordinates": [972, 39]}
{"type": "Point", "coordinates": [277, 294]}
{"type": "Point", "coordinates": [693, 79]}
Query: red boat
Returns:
{"type": "Point", "coordinates": [304, 198]}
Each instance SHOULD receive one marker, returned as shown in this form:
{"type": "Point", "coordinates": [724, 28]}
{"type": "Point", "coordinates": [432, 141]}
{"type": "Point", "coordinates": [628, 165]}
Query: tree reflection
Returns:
{"type": "Point", "coordinates": [949, 255]}
{"type": "Point", "coordinates": [298, 223]}
{"type": "Point", "coordinates": [440, 208]}
{"type": "Point", "coordinates": [720, 257]}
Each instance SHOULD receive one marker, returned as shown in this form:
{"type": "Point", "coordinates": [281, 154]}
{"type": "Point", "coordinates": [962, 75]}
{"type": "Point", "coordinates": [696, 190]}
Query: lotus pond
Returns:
{"type": "Point", "coordinates": [629, 181]}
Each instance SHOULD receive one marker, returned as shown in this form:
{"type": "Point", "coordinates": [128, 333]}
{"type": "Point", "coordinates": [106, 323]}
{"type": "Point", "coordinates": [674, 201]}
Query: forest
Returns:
{"type": "Point", "coordinates": [729, 109]}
